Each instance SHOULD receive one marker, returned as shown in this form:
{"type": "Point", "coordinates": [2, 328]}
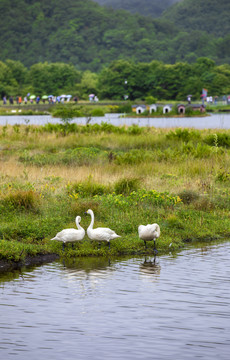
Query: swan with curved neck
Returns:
{"type": "Point", "coordinates": [148, 233]}
{"type": "Point", "coordinates": [100, 234]}
{"type": "Point", "coordinates": [71, 235]}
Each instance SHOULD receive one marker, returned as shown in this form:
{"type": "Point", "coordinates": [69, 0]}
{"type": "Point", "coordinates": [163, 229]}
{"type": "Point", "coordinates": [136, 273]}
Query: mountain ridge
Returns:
{"type": "Point", "coordinates": [89, 36]}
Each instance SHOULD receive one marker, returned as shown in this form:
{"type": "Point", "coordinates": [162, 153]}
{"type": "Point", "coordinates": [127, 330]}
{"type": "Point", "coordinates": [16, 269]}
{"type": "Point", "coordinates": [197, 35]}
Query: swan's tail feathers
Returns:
{"type": "Point", "coordinates": [56, 238]}
{"type": "Point", "coordinates": [116, 236]}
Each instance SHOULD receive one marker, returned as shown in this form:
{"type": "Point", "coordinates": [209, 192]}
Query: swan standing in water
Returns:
{"type": "Point", "coordinates": [100, 234]}
{"type": "Point", "coordinates": [71, 235]}
{"type": "Point", "coordinates": [148, 233]}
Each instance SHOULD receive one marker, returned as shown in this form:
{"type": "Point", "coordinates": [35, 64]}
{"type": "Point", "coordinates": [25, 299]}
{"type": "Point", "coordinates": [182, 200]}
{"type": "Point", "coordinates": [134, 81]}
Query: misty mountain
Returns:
{"type": "Point", "coordinates": [87, 35]}
{"type": "Point", "coordinates": [153, 8]}
{"type": "Point", "coordinates": [212, 16]}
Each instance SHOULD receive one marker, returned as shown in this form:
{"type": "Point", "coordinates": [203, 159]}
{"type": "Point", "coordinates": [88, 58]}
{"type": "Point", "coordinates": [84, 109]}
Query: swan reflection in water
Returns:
{"type": "Point", "coordinates": [150, 269]}
{"type": "Point", "coordinates": [89, 272]}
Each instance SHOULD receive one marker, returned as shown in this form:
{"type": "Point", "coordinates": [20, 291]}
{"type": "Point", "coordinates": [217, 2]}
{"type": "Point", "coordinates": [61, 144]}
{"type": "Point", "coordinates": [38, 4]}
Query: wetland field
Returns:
{"type": "Point", "coordinates": [49, 174]}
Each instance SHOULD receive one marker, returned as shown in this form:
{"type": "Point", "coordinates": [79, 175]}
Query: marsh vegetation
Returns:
{"type": "Point", "coordinates": [127, 175]}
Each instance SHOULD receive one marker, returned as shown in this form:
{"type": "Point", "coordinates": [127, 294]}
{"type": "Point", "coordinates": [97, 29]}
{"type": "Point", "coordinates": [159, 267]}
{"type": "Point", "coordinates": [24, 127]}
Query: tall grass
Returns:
{"type": "Point", "coordinates": [128, 176]}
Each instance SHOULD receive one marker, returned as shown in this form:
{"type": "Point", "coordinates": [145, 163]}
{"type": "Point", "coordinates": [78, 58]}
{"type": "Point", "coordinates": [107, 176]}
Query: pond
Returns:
{"type": "Point", "coordinates": [129, 308]}
{"type": "Point", "coordinates": [214, 121]}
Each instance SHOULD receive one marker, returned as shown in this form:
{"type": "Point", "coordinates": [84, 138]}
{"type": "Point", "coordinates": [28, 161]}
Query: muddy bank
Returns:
{"type": "Point", "coordinates": [28, 261]}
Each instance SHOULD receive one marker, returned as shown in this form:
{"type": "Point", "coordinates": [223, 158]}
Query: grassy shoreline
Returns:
{"type": "Point", "coordinates": [84, 108]}
{"type": "Point", "coordinates": [127, 175]}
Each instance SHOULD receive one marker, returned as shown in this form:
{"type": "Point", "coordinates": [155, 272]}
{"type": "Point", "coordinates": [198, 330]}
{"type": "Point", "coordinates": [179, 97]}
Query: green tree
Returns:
{"type": "Point", "coordinates": [88, 84]}
{"type": "Point", "coordinates": [52, 78]}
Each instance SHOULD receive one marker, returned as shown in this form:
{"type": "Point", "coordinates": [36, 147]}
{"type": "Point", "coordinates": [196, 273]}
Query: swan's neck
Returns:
{"type": "Point", "coordinates": [79, 226]}
{"type": "Point", "coordinates": [158, 230]}
{"type": "Point", "coordinates": [92, 220]}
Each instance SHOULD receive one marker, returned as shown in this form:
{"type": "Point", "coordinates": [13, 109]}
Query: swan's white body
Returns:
{"type": "Point", "coordinates": [99, 234]}
{"type": "Point", "coordinates": [71, 235]}
{"type": "Point", "coordinates": [149, 232]}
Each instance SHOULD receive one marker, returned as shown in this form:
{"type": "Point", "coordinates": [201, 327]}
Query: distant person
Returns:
{"type": "Point", "coordinates": [19, 100]}
{"type": "Point", "coordinates": [25, 100]}
{"type": "Point", "coordinates": [11, 100]}
{"type": "Point", "coordinates": [37, 99]}
{"type": "Point", "coordinates": [4, 100]}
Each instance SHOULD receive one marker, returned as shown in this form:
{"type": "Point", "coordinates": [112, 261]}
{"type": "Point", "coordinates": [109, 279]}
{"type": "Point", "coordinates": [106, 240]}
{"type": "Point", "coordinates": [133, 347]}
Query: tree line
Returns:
{"type": "Point", "coordinates": [121, 79]}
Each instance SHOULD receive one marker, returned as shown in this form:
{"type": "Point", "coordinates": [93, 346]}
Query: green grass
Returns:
{"type": "Point", "coordinates": [127, 176]}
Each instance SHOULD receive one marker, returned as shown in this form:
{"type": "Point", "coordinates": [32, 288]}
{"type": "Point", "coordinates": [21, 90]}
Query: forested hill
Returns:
{"type": "Point", "coordinates": [87, 35]}
{"type": "Point", "coordinates": [152, 8]}
{"type": "Point", "coordinates": [78, 31]}
{"type": "Point", "coordinates": [212, 16]}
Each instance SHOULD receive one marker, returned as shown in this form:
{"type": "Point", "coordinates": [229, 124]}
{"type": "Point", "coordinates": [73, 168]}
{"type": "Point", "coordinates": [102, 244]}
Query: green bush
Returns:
{"type": "Point", "coordinates": [184, 135]}
{"type": "Point", "coordinates": [66, 112]}
{"type": "Point", "coordinates": [188, 196]}
{"type": "Point", "coordinates": [87, 189]}
{"type": "Point", "coordinates": [97, 112]}
{"type": "Point", "coordinates": [22, 200]}
{"type": "Point", "coordinates": [126, 186]}
{"type": "Point", "coordinates": [150, 100]}
{"type": "Point", "coordinates": [135, 130]}
{"type": "Point", "coordinates": [124, 108]}
{"type": "Point", "coordinates": [218, 139]}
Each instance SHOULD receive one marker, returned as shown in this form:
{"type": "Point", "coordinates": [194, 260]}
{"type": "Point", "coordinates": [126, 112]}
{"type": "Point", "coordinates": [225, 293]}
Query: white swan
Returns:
{"type": "Point", "coordinates": [149, 232]}
{"type": "Point", "coordinates": [100, 234]}
{"type": "Point", "coordinates": [71, 235]}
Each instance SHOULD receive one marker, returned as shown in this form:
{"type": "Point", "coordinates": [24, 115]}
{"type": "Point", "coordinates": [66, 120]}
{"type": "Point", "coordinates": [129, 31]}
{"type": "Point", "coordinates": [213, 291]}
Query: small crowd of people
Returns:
{"type": "Point", "coordinates": [18, 100]}
{"type": "Point", "coordinates": [37, 99]}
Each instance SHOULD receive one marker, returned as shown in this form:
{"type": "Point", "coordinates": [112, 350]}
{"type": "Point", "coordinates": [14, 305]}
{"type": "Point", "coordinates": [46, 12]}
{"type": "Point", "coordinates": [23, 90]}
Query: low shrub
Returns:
{"type": "Point", "coordinates": [188, 196]}
{"type": "Point", "coordinates": [126, 186]}
{"type": "Point", "coordinates": [184, 135]}
{"type": "Point", "coordinates": [86, 189]}
{"type": "Point", "coordinates": [204, 204]}
{"type": "Point", "coordinates": [150, 100]}
{"type": "Point", "coordinates": [135, 130]}
{"type": "Point", "coordinates": [218, 139]}
{"type": "Point", "coordinates": [173, 222]}
{"type": "Point", "coordinates": [97, 112]}
{"type": "Point", "coordinates": [22, 200]}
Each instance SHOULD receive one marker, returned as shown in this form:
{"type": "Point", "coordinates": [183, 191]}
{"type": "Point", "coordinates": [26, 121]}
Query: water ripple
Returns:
{"type": "Point", "coordinates": [171, 307]}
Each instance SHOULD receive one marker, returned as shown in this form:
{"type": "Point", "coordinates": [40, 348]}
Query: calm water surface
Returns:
{"type": "Point", "coordinates": [177, 308]}
{"type": "Point", "coordinates": [214, 121]}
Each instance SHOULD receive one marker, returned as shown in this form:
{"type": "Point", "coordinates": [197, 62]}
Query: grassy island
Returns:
{"type": "Point", "coordinates": [127, 175]}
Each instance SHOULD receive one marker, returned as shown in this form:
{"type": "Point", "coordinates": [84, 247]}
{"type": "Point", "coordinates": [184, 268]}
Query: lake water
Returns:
{"type": "Point", "coordinates": [214, 121]}
{"type": "Point", "coordinates": [177, 308]}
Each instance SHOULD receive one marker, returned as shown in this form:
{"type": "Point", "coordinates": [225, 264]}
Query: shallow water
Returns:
{"type": "Point", "coordinates": [177, 308]}
{"type": "Point", "coordinates": [214, 121]}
